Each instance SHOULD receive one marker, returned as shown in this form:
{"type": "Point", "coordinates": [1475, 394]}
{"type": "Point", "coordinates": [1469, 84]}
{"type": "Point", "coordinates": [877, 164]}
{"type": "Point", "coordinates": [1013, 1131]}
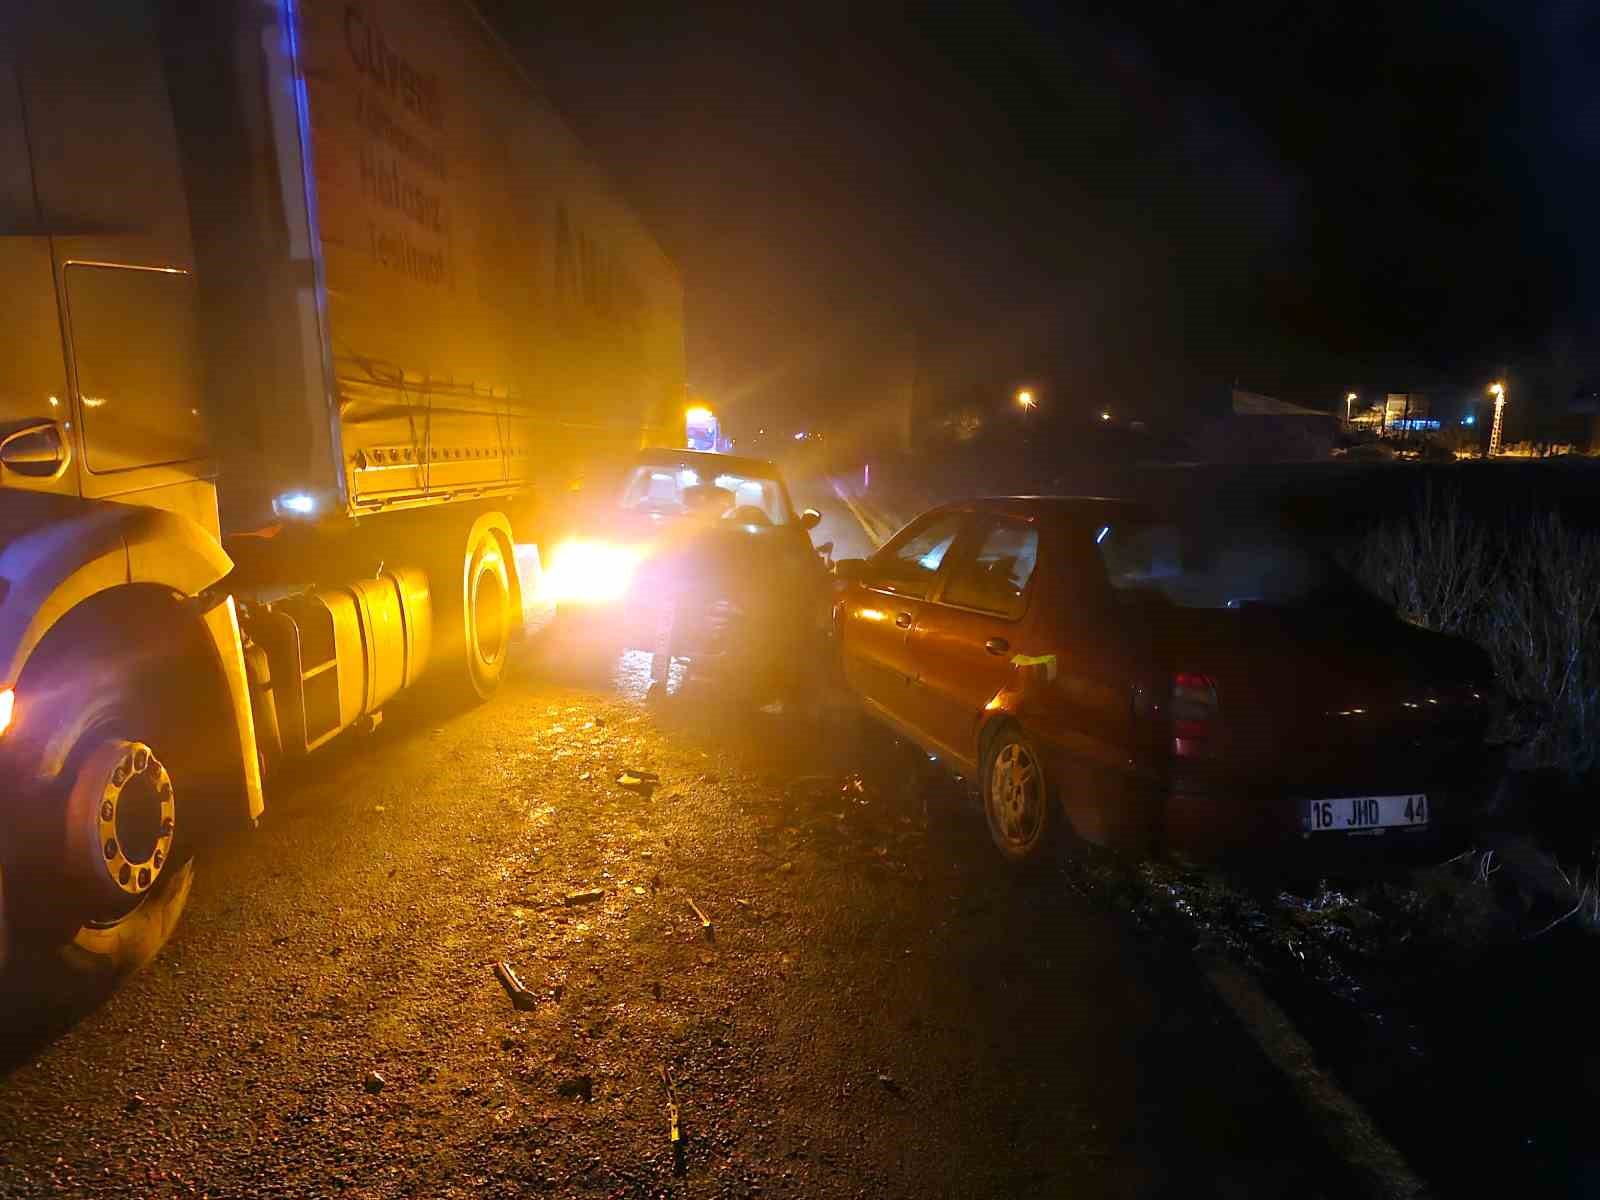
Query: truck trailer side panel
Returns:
{"type": "Point", "coordinates": [443, 272]}
{"type": "Point", "coordinates": [492, 308]}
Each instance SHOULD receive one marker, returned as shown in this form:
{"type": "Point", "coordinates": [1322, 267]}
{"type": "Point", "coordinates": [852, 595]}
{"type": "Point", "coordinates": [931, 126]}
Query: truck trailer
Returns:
{"type": "Point", "coordinates": [310, 311]}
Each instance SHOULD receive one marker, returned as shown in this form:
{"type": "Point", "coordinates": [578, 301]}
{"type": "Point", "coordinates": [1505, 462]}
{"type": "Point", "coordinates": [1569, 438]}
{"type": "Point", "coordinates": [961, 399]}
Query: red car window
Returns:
{"type": "Point", "coordinates": [993, 575]}
{"type": "Point", "coordinates": [911, 562]}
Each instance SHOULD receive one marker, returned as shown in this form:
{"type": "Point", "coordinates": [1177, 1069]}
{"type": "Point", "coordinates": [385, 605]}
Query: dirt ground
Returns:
{"type": "Point", "coordinates": [876, 1007]}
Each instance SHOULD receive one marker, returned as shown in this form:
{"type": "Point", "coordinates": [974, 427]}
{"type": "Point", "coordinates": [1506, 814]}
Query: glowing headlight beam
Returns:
{"type": "Point", "coordinates": [584, 571]}
{"type": "Point", "coordinates": [8, 708]}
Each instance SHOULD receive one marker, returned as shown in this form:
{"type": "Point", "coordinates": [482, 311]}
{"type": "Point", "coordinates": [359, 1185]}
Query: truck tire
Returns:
{"type": "Point", "coordinates": [477, 614]}
{"type": "Point", "coordinates": [102, 839]}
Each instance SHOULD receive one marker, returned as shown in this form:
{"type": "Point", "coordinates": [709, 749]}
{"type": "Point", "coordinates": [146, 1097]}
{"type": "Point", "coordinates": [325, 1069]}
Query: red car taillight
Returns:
{"type": "Point", "coordinates": [1194, 713]}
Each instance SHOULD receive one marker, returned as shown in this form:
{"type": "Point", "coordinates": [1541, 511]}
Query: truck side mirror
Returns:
{"type": "Point", "coordinates": [810, 519]}
{"type": "Point", "coordinates": [851, 569]}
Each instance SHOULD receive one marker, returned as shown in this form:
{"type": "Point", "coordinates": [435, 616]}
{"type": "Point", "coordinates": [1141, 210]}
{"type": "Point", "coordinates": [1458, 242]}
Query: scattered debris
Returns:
{"type": "Point", "coordinates": [809, 783]}
{"type": "Point", "coordinates": [643, 782]}
{"type": "Point", "coordinates": [135, 1102]}
{"type": "Point", "coordinates": [374, 1082]}
{"type": "Point", "coordinates": [587, 896]}
{"type": "Point", "coordinates": [889, 1083]}
{"type": "Point", "coordinates": [586, 776]}
{"type": "Point", "coordinates": [655, 989]}
{"type": "Point", "coordinates": [655, 883]}
{"type": "Point", "coordinates": [521, 998]}
{"type": "Point", "coordinates": [674, 1125]}
{"type": "Point", "coordinates": [577, 1087]}
{"type": "Point", "coordinates": [281, 939]}
{"type": "Point", "coordinates": [377, 808]}
{"type": "Point", "coordinates": [638, 891]}
{"type": "Point", "coordinates": [788, 866]}
{"type": "Point", "coordinates": [705, 921]}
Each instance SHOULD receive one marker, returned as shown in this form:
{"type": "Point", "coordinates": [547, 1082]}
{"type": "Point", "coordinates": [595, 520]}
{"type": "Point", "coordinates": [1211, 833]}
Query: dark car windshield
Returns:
{"type": "Point", "coordinates": [1195, 567]}
{"type": "Point", "coordinates": [673, 489]}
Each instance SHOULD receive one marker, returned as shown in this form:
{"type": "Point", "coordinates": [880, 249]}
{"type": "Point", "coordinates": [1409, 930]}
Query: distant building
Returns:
{"type": "Point", "coordinates": [1254, 404]}
{"type": "Point", "coordinates": [1407, 412]}
{"type": "Point", "coordinates": [1263, 428]}
{"type": "Point", "coordinates": [1369, 418]}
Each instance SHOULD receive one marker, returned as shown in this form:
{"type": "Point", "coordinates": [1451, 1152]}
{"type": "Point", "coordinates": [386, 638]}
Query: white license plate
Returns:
{"type": "Point", "coordinates": [1355, 814]}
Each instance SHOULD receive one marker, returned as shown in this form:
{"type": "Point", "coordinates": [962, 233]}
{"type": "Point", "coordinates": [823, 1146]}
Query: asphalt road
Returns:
{"type": "Point", "coordinates": [838, 525]}
{"type": "Point", "coordinates": [880, 1008]}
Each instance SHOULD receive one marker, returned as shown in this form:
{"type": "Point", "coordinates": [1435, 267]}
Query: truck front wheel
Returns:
{"type": "Point", "coordinates": [126, 874]}
{"type": "Point", "coordinates": [100, 835]}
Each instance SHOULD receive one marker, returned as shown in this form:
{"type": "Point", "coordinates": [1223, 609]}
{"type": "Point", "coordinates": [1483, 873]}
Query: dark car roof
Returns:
{"type": "Point", "coordinates": [754, 468]}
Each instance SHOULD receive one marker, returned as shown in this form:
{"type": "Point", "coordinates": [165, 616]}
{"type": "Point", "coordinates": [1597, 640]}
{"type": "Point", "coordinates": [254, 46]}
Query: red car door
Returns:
{"type": "Point", "coordinates": [966, 635]}
{"type": "Point", "coordinates": [880, 608]}
{"type": "Point", "coordinates": [1096, 720]}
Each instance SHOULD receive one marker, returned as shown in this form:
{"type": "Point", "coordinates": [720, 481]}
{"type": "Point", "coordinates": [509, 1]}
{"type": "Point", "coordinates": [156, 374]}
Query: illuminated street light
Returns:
{"type": "Point", "coordinates": [1105, 416]}
{"type": "Point", "coordinates": [1349, 399]}
{"type": "Point", "coordinates": [1498, 391]}
{"type": "Point", "coordinates": [1025, 398]}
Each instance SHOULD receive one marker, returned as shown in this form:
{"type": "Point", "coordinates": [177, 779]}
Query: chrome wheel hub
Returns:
{"type": "Point", "coordinates": [135, 814]}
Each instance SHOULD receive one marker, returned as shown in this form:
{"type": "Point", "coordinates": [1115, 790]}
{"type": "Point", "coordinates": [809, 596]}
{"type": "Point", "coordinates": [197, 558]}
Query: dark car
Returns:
{"type": "Point", "coordinates": [695, 555]}
{"type": "Point", "coordinates": [1156, 683]}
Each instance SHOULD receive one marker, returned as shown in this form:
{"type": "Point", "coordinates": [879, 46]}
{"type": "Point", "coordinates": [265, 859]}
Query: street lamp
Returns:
{"type": "Point", "coordinates": [1498, 391]}
{"type": "Point", "coordinates": [1349, 399]}
{"type": "Point", "coordinates": [1026, 400]}
{"type": "Point", "coordinates": [1105, 416]}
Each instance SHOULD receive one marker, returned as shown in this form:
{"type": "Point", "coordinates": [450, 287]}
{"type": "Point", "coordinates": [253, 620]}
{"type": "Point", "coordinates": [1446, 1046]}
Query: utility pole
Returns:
{"type": "Point", "coordinates": [1498, 391]}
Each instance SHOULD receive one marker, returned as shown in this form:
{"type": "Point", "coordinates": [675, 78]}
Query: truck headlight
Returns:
{"type": "Point", "coordinates": [584, 571]}
{"type": "Point", "coordinates": [8, 707]}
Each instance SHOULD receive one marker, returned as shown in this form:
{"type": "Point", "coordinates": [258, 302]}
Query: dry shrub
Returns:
{"type": "Point", "coordinates": [1528, 591]}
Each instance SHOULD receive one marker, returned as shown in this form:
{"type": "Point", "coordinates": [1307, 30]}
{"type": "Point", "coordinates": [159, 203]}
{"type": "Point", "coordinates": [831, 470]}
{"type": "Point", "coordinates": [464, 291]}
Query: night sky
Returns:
{"type": "Point", "coordinates": [1134, 211]}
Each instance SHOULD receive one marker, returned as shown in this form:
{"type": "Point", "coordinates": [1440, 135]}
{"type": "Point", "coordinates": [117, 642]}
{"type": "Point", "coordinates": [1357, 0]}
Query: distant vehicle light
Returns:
{"type": "Point", "coordinates": [584, 571]}
{"type": "Point", "coordinates": [8, 707]}
{"type": "Point", "coordinates": [298, 504]}
{"type": "Point", "coordinates": [800, 437]}
{"type": "Point", "coordinates": [1469, 419]}
{"type": "Point", "coordinates": [699, 416]}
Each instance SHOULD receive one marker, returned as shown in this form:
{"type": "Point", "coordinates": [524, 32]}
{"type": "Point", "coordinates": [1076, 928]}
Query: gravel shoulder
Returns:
{"type": "Point", "coordinates": [879, 1009]}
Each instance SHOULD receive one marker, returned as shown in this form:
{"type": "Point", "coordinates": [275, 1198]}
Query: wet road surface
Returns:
{"type": "Point", "coordinates": [879, 1009]}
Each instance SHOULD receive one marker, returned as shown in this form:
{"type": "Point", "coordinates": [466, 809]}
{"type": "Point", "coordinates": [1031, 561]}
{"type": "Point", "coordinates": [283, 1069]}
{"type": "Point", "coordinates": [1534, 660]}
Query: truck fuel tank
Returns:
{"type": "Point", "coordinates": [338, 654]}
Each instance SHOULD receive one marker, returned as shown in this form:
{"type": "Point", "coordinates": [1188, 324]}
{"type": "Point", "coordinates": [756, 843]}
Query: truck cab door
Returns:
{"type": "Point", "coordinates": [36, 438]}
{"type": "Point", "coordinates": [101, 156]}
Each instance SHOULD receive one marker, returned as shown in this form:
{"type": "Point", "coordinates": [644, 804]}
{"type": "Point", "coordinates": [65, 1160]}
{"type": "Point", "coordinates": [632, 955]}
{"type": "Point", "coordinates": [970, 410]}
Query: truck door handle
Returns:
{"type": "Point", "coordinates": [997, 645]}
{"type": "Point", "coordinates": [33, 448]}
{"type": "Point", "coordinates": [902, 620]}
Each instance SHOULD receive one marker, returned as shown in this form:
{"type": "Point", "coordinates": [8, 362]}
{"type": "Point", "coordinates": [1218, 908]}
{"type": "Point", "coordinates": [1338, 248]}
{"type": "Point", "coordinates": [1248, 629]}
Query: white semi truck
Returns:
{"type": "Point", "coordinates": [308, 307]}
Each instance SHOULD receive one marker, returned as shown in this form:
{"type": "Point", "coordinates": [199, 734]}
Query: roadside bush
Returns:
{"type": "Point", "coordinates": [1528, 591]}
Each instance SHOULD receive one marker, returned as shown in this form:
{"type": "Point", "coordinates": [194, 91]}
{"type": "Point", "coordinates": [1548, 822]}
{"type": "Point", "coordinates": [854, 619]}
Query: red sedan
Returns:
{"type": "Point", "coordinates": [1153, 683]}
